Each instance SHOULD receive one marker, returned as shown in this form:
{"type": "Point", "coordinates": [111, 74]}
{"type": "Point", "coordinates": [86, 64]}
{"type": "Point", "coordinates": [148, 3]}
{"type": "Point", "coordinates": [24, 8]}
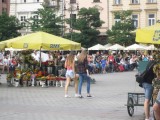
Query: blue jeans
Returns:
{"type": "Point", "coordinates": [148, 90]}
{"type": "Point", "coordinates": [82, 77]}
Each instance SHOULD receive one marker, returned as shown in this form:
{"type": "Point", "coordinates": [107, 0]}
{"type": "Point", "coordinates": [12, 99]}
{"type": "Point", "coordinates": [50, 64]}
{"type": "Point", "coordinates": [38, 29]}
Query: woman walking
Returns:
{"type": "Point", "coordinates": [82, 68]}
{"type": "Point", "coordinates": [70, 74]}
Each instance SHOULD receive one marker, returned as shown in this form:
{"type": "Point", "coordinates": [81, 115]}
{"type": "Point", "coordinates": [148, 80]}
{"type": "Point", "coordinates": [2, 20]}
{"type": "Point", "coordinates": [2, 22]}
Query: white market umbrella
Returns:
{"type": "Point", "coordinates": [116, 47]}
{"type": "Point", "coordinates": [151, 47]}
{"type": "Point", "coordinates": [135, 47]}
{"type": "Point", "coordinates": [107, 45]}
{"type": "Point", "coordinates": [97, 47]}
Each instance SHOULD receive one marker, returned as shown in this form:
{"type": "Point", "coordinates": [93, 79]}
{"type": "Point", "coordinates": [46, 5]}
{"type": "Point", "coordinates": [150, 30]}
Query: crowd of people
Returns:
{"type": "Point", "coordinates": [98, 62]}
{"type": "Point", "coordinates": [115, 62]}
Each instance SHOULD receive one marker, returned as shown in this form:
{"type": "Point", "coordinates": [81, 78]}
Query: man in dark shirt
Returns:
{"type": "Point", "coordinates": [148, 88]}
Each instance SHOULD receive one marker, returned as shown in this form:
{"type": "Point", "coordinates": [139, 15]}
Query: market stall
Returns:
{"type": "Point", "coordinates": [38, 41]}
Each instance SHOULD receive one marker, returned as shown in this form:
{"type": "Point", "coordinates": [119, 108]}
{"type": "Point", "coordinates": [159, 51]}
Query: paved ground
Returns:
{"type": "Point", "coordinates": [37, 103]}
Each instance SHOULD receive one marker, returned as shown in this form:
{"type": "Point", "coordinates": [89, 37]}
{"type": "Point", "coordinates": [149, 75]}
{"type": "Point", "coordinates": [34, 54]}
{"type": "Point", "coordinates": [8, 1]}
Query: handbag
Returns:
{"type": "Point", "coordinates": [140, 77]}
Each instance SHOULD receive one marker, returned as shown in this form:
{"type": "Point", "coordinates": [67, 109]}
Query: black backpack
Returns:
{"type": "Point", "coordinates": [147, 75]}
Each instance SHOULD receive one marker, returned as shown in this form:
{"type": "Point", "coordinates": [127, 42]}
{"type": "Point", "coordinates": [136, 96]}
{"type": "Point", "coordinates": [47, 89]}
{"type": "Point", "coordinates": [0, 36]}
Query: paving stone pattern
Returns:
{"type": "Point", "coordinates": [37, 103]}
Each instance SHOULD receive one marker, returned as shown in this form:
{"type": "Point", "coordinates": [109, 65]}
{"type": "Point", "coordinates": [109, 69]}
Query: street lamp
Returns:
{"type": "Point", "coordinates": [72, 7]}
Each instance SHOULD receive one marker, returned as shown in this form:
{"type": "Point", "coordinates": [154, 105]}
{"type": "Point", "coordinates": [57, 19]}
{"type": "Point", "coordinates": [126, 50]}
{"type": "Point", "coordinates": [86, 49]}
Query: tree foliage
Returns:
{"type": "Point", "coordinates": [87, 22]}
{"type": "Point", "coordinates": [9, 26]}
{"type": "Point", "coordinates": [121, 31]}
{"type": "Point", "coordinates": [45, 19]}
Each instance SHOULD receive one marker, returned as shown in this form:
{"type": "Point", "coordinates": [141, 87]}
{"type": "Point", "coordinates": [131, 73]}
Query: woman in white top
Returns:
{"type": "Point", "coordinates": [5, 64]}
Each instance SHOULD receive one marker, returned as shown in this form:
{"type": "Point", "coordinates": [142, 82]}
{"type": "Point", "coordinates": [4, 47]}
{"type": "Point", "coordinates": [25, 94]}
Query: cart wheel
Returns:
{"type": "Point", "coordinates": [130, 107]}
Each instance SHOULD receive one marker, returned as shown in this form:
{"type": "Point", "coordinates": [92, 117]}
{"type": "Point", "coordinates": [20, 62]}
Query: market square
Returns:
{"type": "Point", "coordinates": [108, 102]}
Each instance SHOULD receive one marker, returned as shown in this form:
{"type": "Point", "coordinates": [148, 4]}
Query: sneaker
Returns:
{"type": "Point", "coordinates": [76, 95]}
{"type": "Point", "coordinates": [89, 96]}
{"type": "Point", "coordinates": [80, 96]}
{"type": "Point", "coordinates": [67, 96]}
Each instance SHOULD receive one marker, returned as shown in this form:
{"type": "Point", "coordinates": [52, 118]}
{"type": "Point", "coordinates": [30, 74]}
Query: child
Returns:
{"type": "Point", "coordinates": [33, 75]}
{"type": "Point", "coordinates": [103, 64]}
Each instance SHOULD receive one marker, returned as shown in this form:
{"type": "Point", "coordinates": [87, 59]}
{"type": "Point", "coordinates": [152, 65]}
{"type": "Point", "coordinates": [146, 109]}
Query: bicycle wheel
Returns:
{"type": "Point", "coordinates": [130, 107]}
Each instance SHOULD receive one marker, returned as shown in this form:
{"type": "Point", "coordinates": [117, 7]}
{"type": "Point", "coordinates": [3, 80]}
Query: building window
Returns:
{"type": "Point", "coordinates": [73, 19]}
{"type": "Point", "coordinates": [22, 19]}
{"type": "Point", "coordinates": [151, 1]}
{"type": "Point", "coordinates": [72, 1]}
{"type": "Point", "coordinates": [151, 19]}
{"type": "Point", "coordinates": [96, 0]}
{"type": "Point", "coordinates": [135, 20]}
{"type": "Point", "coordinates": [117, 2]}
{"type": "Point", "coordinates": [35, 16]}
{"type": "Point", "coordinates": [134, 1]}
{"type": "Point", "coordinates": [3, 1]}
{"type": "Point", "coordinates": [117, 19]}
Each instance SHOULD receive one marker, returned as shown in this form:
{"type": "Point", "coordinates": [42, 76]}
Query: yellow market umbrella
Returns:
{"type": "Point", "coordinates": [149, 34]}
{"type": "Point", "coordinates": [2, 45]}
{"type": "Point", "coordinates": [42, 40]}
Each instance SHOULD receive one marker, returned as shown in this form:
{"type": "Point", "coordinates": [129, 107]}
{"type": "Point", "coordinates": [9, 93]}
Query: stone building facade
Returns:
{"type": "Point", "coordinates": [4, 6]}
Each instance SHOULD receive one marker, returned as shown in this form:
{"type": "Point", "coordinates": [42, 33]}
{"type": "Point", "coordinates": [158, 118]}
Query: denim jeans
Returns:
{"type": "Point", "coordinates": [148, 90]}
{"type": "Point", "coordinates": [82, 77]}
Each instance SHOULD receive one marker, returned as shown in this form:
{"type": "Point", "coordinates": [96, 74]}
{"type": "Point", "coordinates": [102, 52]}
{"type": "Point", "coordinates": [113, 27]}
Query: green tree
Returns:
{"type": "Point", "coordinates": [121, 31]}
{"type": "Point", "coordinates": [9, 26]}
{"type": "Point", "coordinates": [45, 19]}
{"type": "Point", "coordinates": [87, 22]}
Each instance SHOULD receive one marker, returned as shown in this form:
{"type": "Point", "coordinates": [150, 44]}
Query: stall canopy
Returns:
{"type": "Point", "coordinates": [2, 45]}
{"type": "Point", "coordinates": [42, 40]}
{"type": "Point", "coordinates": [135, 47]}
{"type": "Point", "coordinates": [116, 47]}
{"type": "Point", "coordinates": [149, 34]}
{"type": "Point", "coordinates": [107, 45]}
{"type": "Point", "coordinates": [97, 47]}
{"type": "Point", "coordinates": [151, 47]}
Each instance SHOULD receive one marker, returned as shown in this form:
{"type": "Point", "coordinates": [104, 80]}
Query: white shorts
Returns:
{"type": "Point", "coordinates": [70, 73]}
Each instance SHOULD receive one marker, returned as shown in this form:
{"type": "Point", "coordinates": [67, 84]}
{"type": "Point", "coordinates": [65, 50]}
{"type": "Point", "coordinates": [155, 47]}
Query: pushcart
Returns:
{"type": "Point", "coordinates": [135, 99]}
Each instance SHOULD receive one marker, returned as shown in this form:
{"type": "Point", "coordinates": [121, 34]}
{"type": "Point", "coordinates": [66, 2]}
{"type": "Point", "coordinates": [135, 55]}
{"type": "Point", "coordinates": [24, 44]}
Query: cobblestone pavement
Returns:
{"type": "Point", "coordinates": [37, 103]}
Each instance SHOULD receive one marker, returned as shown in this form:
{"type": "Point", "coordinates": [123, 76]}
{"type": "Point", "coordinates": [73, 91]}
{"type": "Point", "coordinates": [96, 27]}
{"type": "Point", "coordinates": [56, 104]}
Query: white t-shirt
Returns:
{"type": "Point", "coordinates": [5, 61]}
{"type": "Point", "coordinates": [35, 56]}
{"type": "Point", "coordinates": [132, 60]}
